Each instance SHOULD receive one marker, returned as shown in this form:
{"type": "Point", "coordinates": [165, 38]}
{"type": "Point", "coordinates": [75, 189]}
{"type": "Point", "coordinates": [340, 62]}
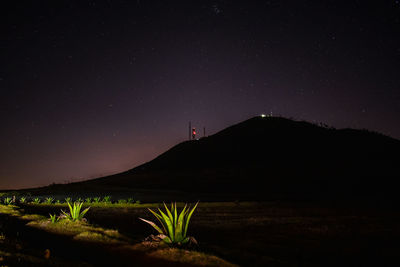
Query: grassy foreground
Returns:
{"type": "Point", "coordinates": [284, 234]}
{"type": "Point", "coordinates": [99, 242]}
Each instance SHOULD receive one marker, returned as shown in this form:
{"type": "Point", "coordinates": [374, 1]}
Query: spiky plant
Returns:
{"type": "Point", "coordinates": [75, 213]}
{"type": "Point", "coordinates": [68, 200]}
{"type": "Point", "coordinates": [122, 201]}
{"type": "Point", "coordinates": [130, 200]}
{"type": "Point", "coordinates": [88, 200]}
{"type": "Point", "coordinates": [174, 227]}
{"type": "Point", "coordinates": [96, 199]}
{"type": "Point", "coordinates": [22, 200]}
{"type": "Point", "coordinates": [36, 200]}
{"type": "Point", "coordinates": [107, 199]}
{"type": "Point", "coordinates": [49, 200]}
{"type": "Point", "coordinates": [54, 218]}
{"type": "Point", "coordinates": [7, 200]}
{"type": "Point", "coordinates": [79, 200]}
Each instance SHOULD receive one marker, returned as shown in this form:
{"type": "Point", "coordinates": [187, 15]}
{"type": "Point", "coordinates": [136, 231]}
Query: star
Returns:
{"type": "Point", "coordinates": [216, 10]}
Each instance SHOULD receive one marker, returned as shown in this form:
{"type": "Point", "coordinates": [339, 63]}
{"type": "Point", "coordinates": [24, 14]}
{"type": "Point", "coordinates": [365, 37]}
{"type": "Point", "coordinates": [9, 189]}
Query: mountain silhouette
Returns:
{"type": "Point", "coordinates": [271, 158]}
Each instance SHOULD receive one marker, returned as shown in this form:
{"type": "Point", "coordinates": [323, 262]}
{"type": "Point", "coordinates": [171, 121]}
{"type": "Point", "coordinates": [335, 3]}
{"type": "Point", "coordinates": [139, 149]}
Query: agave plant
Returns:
{"type": "Point", "coordinates": [174, 227]}
{"type": "Point", "coordinates": [75, 213]}
{"type": "Point", "coordinates": [122, 201]}
{"type": "Point", "coordinates": [22, 200]}
{"type": "Point", "coordinates": [54, 218]}
{"type": "Point", "coordinates": [49, 200]}
{"type": "Point", "coordinates": [107, 199]}
{"type": "Point", "coordinates": [36, 200]}
{"type": "Point", "coordinates": [7, 200]}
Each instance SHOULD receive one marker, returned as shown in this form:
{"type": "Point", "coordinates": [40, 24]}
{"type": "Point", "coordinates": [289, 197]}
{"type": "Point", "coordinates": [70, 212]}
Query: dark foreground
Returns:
{"type": "Point", "coordinates": [247, 234]}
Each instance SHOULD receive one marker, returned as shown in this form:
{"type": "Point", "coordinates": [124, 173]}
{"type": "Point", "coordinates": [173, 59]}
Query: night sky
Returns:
{"type": "Point", "coordinates": [91, 88]}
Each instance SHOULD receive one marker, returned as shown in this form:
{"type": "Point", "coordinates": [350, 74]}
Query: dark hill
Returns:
{"type": "Point", "coordinates": [271, 157]}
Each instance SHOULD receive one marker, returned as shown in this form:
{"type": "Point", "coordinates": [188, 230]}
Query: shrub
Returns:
{"type": "Point", "coordinates": [173, 228]}
{"type": "Point", "coordinates": [54, 218]}
{"type": "Point", "coordinates": [88, 200]}
{"type": "Point", "coordinates": [7, 200]}
{"type": "Point", "coordinates": [49, 200]}
{"type": "Point", "coordinates": [75, 213]}
{"type": "Point", "coordinates": [122, 201]}
{"type": "Point", "coordinates": [22, 200]}
{"type": "Point", "coordinates": [36, 200]}
{"type": "Point", "coordinates": [107, 199]}
{"type": "Point", "coordinates": [96, 199]}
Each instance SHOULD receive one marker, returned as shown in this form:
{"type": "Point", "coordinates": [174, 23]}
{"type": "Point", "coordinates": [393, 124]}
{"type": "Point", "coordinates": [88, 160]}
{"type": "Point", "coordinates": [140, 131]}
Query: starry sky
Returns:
{"type": "Point", "coordinates": [91, 88]}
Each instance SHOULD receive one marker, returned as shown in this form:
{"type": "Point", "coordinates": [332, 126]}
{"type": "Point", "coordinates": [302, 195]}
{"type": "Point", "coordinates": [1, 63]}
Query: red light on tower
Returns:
{"type": "Point", "coordinates": [193, 133]}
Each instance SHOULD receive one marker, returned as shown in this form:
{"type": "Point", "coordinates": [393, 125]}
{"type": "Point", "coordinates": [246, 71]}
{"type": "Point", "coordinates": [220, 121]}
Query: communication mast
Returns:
{"type": "Point", "coordinates": [193, 133]}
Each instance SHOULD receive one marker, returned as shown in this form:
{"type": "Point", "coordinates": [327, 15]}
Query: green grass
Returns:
{"type": "Point", "coordinates": [101, 235]}
{"type": "Point", "coordinates": [130, 203]}
{"type": "Point", "coordinates": [80, 230]}
{"type": "Point", "coordinates": [32, 217]}
{"type": "Point", "coordinates": [10, 210]}
{"type": "Point", "coordinates": [83, 231]}
{"type": "Point", "coordinates": [138, 204]}
{"type": "Point", "coordinates": [122, 201]}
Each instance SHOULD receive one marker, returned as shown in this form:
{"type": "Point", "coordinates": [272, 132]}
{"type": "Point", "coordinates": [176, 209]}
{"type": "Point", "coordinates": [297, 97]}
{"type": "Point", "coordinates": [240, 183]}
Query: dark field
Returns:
{"type": "Point", "coordinates": [261, 234]}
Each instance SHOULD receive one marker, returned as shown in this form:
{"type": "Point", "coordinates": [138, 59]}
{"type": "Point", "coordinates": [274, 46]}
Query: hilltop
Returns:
{"type": "Point", "coordinates": [266, 158]}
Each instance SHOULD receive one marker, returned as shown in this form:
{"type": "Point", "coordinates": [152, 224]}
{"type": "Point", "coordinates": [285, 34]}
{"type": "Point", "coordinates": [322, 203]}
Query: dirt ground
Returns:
{"type": "Point", "coordinates": [247, 234]}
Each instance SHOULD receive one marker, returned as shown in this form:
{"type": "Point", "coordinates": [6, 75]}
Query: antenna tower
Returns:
{"type": "Point", "coordinates": [190, 130]}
